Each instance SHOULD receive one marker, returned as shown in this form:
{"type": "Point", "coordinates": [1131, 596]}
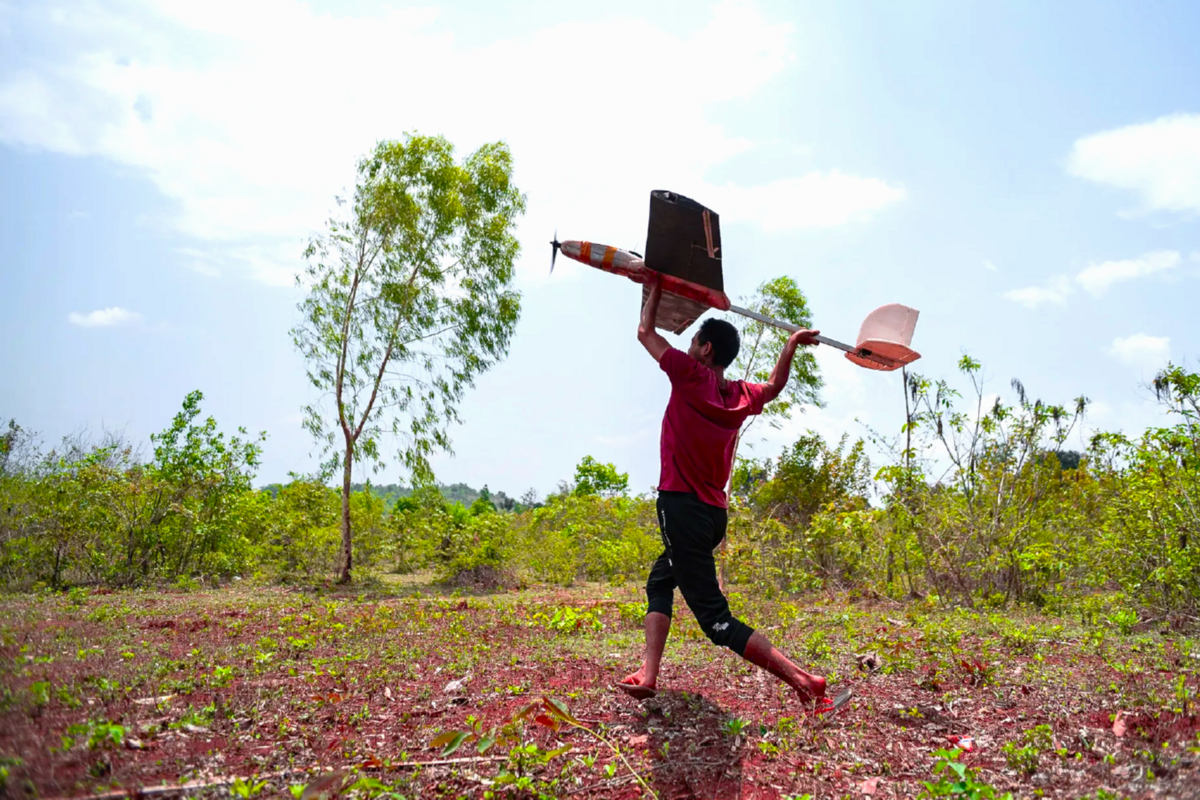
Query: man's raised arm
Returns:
{"type": "Point", "coordinates": [783, 367]}
{"type": "Point", "coordinates": [654, 343]}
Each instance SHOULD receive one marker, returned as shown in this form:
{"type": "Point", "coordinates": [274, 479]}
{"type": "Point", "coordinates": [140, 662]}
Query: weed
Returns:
{"type": "Point", "coordinates": [95, 734]}
{"type": "Point", "coordinates": [956, 779]}
{"type": "Point", "coordinates": [1123, 619]}
{"type": "Point", "coordinates": [68, 698]}
{"type": "Point", "coordinates": [40, 690]}
{"type": "Point", "coordinates": [979, 672]}
{"type": "Point", "coordinates": [1020, 640]}
{"type": "Point", "coordinates": [5, 763]}
{"type": "Point", "coordinates": [734, 727]}
{"type": "Point", "coordinates": [246, 788]}
{"type": "Point", "coordinates": [632, 612]}
{"type": "Point", "coordinates": [221, 676]}
{"type": "Point", "coordinates": [1025, 758]}
{"type": "Point", "coordinates": [568, 620]}
{"type": "Point", "coordinates": [816, 646]}
{"type": "Point", "coordinates": [195, 718]}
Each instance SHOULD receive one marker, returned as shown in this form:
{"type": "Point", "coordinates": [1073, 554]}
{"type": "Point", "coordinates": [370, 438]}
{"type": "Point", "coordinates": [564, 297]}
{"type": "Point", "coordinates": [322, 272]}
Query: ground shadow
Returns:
{"type": "Point", "coordinates": [694, 752]}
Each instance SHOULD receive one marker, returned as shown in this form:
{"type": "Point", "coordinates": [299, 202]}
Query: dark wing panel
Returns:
{"type": "Point", "coordinates": [684, 239]}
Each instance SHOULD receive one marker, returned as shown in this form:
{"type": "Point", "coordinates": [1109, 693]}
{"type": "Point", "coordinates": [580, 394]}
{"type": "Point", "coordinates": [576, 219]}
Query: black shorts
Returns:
{"type": "Point", "coordinates": [691, 530]}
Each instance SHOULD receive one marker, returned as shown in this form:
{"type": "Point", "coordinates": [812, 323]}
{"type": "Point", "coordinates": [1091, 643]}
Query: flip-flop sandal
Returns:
{"type": "Point", "coordinates": [635, 691]}
{"type": "Point", "coordinates": [837, 704]}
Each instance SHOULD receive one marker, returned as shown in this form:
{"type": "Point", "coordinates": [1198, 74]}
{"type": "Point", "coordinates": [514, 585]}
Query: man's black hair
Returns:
{"type": "Point", "coordinates": [724, 340]}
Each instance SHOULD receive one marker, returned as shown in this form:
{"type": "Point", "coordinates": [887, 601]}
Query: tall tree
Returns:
{"type": "Point", "coordinates": [594, 478]}
{"type": "Point", "coordinates": [409, 300]}
{"type": "Point", "coordinates": [782, 299]}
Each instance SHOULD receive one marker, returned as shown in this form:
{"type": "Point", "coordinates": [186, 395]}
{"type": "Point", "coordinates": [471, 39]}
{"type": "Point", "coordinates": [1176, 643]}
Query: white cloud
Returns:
{"type": "Point", "coordinates": [1097, 278]}
{"type": "Point", "coordinates": [105, 318]}
{"type": "Point", "coordinates": [815, 200]}
{"type": "Point", "coordinates": [1055, 292]}
{"type": "Point", "coordinates": [989, 266]}
{"type": "Point", "coordinates": [1142, 351]}
{"type": "Point", "coordinates": [253, 128]}
{"type": "Point", "coordinates": [1159, 160]}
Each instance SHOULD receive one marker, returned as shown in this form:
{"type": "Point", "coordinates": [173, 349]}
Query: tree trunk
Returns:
{"type": "Point", "coordinates": [346, 552]}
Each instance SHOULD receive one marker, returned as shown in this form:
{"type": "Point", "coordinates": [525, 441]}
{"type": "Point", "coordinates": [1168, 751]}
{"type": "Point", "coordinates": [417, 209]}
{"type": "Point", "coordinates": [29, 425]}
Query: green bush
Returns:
{"type": "Point", "coordinates": [477, 552]}
{"type": "Point", "coordinates": [588, 537]}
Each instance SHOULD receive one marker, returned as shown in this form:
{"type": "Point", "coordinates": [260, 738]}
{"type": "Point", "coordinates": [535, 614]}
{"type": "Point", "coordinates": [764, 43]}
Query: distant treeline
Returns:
{"type": "Point", "coordinates": [461, 493]}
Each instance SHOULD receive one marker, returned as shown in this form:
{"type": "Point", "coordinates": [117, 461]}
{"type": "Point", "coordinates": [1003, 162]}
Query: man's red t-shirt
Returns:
{"type": "Point", "coordinates": [700, 427]}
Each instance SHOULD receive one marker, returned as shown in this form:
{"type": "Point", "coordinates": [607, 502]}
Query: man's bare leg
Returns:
{"type": "Point", "coordinates": [657, 626]}
{"type": "Point", "coordinates": [762, 654]}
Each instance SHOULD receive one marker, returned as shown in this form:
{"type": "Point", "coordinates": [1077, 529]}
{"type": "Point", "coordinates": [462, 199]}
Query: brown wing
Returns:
{"type": "Point", "coordinates": [683, 239]}
{"type": "Point", "coordinates": [675, 313]}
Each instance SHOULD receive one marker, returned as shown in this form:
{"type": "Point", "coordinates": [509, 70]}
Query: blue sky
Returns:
{"type": "Point", "coordinates": [1026, 174]}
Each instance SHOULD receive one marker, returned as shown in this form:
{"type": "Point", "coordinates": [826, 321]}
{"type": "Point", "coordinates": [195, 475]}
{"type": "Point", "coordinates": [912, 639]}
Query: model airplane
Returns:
{"type": "Point", "coordinates": [683, 246]}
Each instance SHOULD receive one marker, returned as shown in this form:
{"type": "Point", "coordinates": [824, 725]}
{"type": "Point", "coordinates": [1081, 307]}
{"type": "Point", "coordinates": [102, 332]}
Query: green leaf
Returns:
{"type": "Point", "coordinates": [558, 751]}
{"type": "Point", "coordinates": [452, 740]}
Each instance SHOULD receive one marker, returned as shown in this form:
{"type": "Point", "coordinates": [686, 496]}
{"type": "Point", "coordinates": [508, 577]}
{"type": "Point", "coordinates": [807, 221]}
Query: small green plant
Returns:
{"type": "Point", "coordinates": [979, 672]}
{"type": "Point", "coordinates": [246, 788]}
{"type": "Point", "coordinates": [569, 620]}
{"type": "Point", "coordinates": [1025, 758]}
{"type": "Point", "coordinates": [95, 735]}
{"type": "Point", "coordinates": [1124, 620]}
{"type": "Point", "coordinates": [734, 727]}
{"type": "Point", "coordinates": [6, 762]}
{"type": "Point", "coordinates": [299, 644]}
{"type": "Point", "coordinates": [195, 718]}
{"type": "Point", "coordinates": [68, 697]}
{"type": "Point", "coordinates": [632, 612]}
{"type": "Point", "coordinates": [1020, 640]}
{"type": "Point", "coordinates": [816, 646]}
{"type": "Point", "coordinates": [186, 583]}
{"type": "Point", "coordinates": [41, 693]}
{"type": "Point", "coordinates": [956, 779]}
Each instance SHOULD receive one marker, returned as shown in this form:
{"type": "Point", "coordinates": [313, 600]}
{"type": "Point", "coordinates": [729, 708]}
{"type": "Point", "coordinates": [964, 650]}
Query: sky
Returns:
{"type": "Point", "coordinates": [1026, 174]}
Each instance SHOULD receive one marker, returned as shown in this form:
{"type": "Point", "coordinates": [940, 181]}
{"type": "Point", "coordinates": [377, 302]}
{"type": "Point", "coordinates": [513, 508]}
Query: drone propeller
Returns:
{"type": "Point", "coordinates": [555, 246]}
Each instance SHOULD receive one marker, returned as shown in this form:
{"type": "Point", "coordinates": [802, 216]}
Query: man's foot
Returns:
{"type": "Point", "coordinates": [828, 706]}
{"type": "Point", "coordinates": [812, 690]}
{"type": "Point", "coordinates": [636, 685]}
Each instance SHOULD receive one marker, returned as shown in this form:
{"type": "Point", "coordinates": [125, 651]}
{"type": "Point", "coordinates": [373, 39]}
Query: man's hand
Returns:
{"type": "Point", "coordinates": [803, 337]}
{"type": "Point", "coordinates": [655, 344]}
{"type": "Point", "coordinates": [643, 275]}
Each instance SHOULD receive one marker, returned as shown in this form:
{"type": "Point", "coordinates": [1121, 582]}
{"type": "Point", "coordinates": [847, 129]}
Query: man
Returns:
{"type": "Point", "coordinates": [701, 422]}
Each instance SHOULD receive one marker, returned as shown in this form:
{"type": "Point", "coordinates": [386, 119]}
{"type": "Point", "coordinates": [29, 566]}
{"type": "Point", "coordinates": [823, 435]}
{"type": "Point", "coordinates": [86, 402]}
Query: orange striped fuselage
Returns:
{"type": "Point", "coordinates": [623, 262]}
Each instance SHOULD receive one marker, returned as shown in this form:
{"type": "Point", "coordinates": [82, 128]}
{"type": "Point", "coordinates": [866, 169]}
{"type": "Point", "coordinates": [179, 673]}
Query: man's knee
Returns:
{"type": "Point", "coordinates": [659, 599]}
{"type": "Point", "coordinates": [727, 631]}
